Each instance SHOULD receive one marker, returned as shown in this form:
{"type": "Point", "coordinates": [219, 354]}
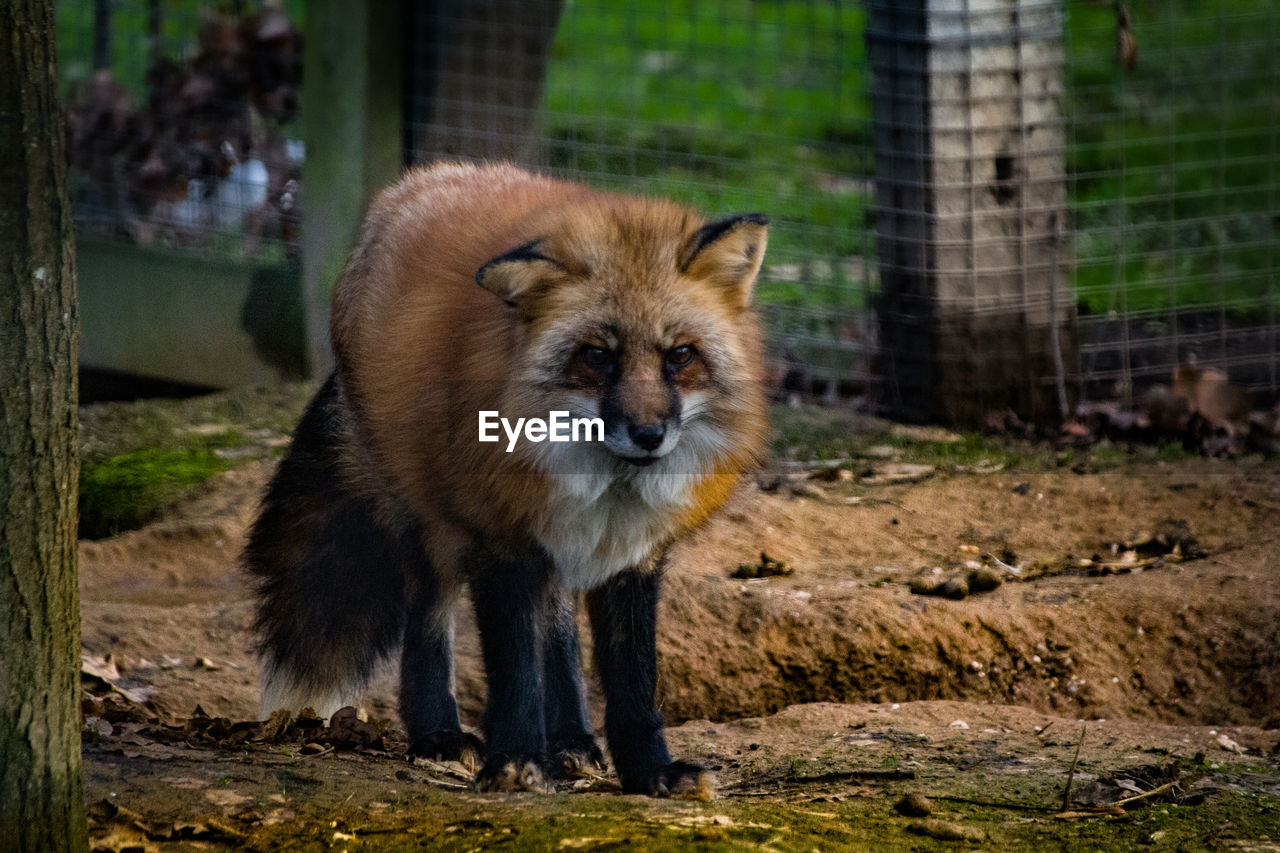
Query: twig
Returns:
{"type": "Point", "coordinates": [453, 786]}
{"type": "Point", "coordinates": [442, 769]}
{"type": "Point", "coordinates": [1159, 789]}
{"type": "Point", "coordinates": [1080, 814]}
{"type": "Point", "coordinates": [1071, 774]}
{"type": "Point", "coordinates": [1025, 807]}
{"type": "Point", "coordinates": [867, 775]}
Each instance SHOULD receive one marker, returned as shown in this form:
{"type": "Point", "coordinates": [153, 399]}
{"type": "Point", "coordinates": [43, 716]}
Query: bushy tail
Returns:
{"type": "Point", "coordinates": [329, 575]}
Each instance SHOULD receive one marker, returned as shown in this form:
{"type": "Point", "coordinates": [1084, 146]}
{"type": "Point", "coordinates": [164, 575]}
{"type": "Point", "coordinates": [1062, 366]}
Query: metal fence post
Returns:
{"type": "Point", "coordinates": [975, 311]}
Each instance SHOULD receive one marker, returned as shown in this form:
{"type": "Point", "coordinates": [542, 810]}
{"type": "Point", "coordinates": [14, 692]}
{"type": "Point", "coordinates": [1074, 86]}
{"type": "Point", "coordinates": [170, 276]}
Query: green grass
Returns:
{"type": "Point", "coordinates": [732, 107]}
{"type": "Point", "coordinates": [1175, 165]}
{"type": "Point", "coordinates": [813, 432]}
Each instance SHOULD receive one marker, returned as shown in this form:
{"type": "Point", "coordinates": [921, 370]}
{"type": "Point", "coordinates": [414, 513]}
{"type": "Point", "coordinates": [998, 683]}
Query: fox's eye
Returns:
{"type": "Point", "coordinates": [679, 356]}
{"type": "Point", "coordinates": [596, 357]}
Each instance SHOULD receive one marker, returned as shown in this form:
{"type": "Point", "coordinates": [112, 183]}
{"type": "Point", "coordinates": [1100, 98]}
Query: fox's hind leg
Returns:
{"type": "Point", "coordinates": [427, 704]}
{"type": "Point", "coordinates": [571, 747]}
{"type": "Point", "coordinates": [329, 572]}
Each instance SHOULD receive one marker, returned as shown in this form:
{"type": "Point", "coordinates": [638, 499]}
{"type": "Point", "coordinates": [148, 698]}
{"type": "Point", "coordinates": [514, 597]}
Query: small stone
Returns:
{"type": "Point", "coordinates": [959, 724]}
{"type": "Point", "coordinates": [914, 805]}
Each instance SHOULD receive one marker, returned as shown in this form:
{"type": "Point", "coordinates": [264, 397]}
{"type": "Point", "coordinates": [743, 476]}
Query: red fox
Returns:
{"type": "Point", "coordinates": [630, 311]}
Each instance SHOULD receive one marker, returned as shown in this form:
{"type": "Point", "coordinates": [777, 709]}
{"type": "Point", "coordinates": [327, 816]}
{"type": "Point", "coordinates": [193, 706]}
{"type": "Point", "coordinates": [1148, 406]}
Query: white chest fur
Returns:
{"type": "Point", "coordinates": [598, 524]}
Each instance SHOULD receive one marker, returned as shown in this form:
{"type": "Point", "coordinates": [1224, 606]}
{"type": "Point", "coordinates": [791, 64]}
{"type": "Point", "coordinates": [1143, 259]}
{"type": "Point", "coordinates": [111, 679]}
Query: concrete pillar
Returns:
{"type": "Point", "coordinates": [975, 310]}
{"type": "Point", "coordinates": [352, 123]}
{"type": "Point", "coordinates": [477, 72]}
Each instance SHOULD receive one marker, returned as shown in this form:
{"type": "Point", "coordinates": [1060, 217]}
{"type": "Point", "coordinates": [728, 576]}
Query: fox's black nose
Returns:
{"type": "Point", "coordinates": [647, 436]}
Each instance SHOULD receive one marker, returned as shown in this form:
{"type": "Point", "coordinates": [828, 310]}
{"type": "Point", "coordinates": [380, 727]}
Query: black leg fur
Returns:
{"type": "Point", "coordinates": [573, 749]}
{"type": "Point", "coordinates": [623, 615]}
{"type": "Point", "coordinates": [510, 598]}
{"type": "Point", "coordinates": [330, 575]}
{"type": "Point", "coordinates": [427, 704]}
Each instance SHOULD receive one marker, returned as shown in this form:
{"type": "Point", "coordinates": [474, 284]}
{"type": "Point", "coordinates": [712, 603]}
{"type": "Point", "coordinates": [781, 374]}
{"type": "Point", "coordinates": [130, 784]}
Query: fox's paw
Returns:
{"type": "Point", "coordinates": [683, 781]}
{"type": "Point", "coordinates": [512, 773]}
{"type": "Point", "coordinates": [576, 758]}
{"type": "Point", "coordinates": [446, 745]}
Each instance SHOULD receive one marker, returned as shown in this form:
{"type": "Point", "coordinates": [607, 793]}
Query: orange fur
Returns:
{"type": "Point", "coordinates": [422, 349]}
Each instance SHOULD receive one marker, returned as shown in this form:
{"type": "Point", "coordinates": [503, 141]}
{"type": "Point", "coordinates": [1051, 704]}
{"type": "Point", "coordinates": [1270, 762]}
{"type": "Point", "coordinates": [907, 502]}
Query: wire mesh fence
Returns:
{"type": "Point", "coordinates": [182, 123]}
{"type": "Point", "coordinates": [730, 106]}
{"type": "Point", "coordinates": [1173, 165]}
{"type": "Point", "coordinates": [1149, 220]}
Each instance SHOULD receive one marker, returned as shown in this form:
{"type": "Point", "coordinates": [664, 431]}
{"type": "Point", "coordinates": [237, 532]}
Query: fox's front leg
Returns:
{"type": "Point", "coordinates": [573, 749]}
{"type": "Point", "coordinates": [510, 603]}
{"type": "Point", "coordinates": [623, 626]}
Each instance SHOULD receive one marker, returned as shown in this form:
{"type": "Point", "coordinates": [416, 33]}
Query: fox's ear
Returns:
{"type": "Point", "coordinates": [729, 253]}
{"type": "Point", "coordinates": [515, 274]}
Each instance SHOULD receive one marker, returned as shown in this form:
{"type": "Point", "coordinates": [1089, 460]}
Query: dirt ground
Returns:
{"type": "Point", "coordinates": [820, 697]}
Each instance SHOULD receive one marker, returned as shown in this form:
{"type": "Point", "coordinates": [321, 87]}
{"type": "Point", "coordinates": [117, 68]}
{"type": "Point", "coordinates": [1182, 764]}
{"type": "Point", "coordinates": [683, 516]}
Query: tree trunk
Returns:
{"type": "Point", "coordinates": [41, 794]}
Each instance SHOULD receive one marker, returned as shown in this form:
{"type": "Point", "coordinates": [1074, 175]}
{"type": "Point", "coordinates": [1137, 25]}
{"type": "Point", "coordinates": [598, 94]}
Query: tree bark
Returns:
{"type": "Point", "coordinates": [41, 794]}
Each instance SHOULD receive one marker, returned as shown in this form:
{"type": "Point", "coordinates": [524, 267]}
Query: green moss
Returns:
{"type": "Point", "coordinates": [815, 432]}
{"type": "Point", "coordinates": [1107, 455]}
{"type": "Point", "coordinates": [611, 822]}
{"type": "Point", "coordinates": [125, 492]}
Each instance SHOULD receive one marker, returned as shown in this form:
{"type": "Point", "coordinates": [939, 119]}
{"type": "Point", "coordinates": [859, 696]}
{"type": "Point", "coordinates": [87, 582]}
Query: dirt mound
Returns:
{"type": "Point", "coordinates": [1192, 641]}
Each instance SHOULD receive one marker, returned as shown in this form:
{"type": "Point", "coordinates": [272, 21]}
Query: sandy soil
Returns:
{"type": "Point", "coordinates": [820, 697]}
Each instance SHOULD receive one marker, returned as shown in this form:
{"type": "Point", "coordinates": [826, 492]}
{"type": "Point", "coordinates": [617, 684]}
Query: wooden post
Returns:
{"type": "Point", "coordinates": [352, 123]}
{"type": "Point", "coordinates": [970, 191]}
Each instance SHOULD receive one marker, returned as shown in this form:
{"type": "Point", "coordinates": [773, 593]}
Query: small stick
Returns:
{"type": "Point", "coordinates": [453, 786]}
{"type": "Point", "coordinates": [442, 769]}
{"type": "Point", "coordinates": [1159, 789]}
{"type": "Point", "coordinates": [1071, 774]}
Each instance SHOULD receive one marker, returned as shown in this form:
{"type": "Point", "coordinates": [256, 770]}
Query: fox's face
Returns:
{"type": "Point", "coordinates": [638, 315]}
